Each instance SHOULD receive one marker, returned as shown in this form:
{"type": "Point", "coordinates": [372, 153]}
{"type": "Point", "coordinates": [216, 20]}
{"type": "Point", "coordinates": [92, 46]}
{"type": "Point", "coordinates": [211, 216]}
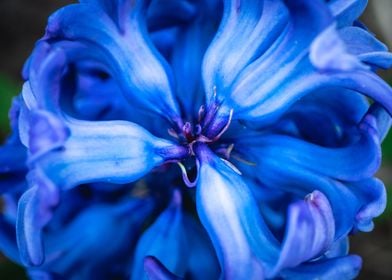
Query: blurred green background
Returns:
{"type": "Point", "coordinates": [22, 22]}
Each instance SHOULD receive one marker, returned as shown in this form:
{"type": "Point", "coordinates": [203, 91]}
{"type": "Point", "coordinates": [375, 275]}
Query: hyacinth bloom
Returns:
{"type": "Point", "coordinates": [184, 139]}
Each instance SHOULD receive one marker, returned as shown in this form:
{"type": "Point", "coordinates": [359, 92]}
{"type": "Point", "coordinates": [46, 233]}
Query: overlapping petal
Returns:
{"type": "Point", "coordinates": [231, 217]}
{"type": "Point", "coordinates": [130, 55]}
{"type": "Point", "coordinates": [165, 240]}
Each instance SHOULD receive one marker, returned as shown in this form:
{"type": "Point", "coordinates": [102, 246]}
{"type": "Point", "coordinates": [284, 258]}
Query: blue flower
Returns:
{"type": "Point", "coordinates": [196, 139]}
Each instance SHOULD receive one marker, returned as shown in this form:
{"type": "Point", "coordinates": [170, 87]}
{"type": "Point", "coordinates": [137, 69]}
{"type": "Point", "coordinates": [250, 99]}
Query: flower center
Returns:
{"type": "Point", "coordinates": [210, 126]}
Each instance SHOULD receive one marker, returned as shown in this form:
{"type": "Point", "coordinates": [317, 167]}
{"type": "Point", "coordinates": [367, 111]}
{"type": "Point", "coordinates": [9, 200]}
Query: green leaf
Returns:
{"type": "Point", "coordinates": [8, 89]}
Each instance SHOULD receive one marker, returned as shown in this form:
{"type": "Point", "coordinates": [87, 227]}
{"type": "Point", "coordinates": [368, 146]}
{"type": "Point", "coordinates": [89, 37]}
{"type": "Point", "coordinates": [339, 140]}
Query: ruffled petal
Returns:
{"type": "Point", "coordinates": [310, 231]}
{"type": "Point", "coordinates": [261, 78]}
{"type": "Point", "coordinates": [329, 53]}
{"type": "Point", "coordinates": [165, 240]}
{"type": "Point", "coordinates": [366, 46]}
{"type": "Point", "coordinates": [35, 209]}
{"type": "Point", "coordinates": [346, 11]}
{"type": "Point", "coordinates": [141, 72]}
{"type": "Point", "coordinates": [292, 178]}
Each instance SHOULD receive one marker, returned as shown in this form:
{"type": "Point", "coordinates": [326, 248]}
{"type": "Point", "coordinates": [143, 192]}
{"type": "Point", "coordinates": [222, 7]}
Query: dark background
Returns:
{"type": "Point", "coordinates": [22, 22]}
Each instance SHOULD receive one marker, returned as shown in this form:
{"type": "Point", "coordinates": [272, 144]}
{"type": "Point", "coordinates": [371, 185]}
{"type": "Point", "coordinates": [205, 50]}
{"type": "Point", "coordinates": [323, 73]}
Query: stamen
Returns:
{"type": "Point", "coordinates": [187, 130]}
{"type": "Point", "coordinates": [240, 159]}
{"type": "Point", "coordinates": [225, 151]}
{"type": "Point", "coordinates": [173, 133]}
{"type": "Point", "coordinates": [201, 113]}
{"type": "Point", "coordinates": [226, 127]}
{"type": "Point", "coordinates": [185, 177]}
{"type": "Point", "coordinates": [232, 166]}
{"type": "Point", "coordinates": [229, 150]}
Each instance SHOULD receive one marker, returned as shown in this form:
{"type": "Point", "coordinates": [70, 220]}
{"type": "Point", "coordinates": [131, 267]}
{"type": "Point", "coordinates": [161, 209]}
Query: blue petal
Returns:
{"type": "Point", "coordinates": [293, 178]}
{"type": "Point", "coordinates": [142, 74]}
{"type": "Point", "coordinates": [329, 53]}
{"type": "Point", "coordinates": [346, 11]}
{"type": "Point", "coordinates": [35, 274]}
{"type": "Point", "coordinates": [338, 268]}
{"type": "Point", "coordinates": [310, 231]}
{"type": "Point", "coordinates": [333, 115]}
{"type": "Point", "coordinates": [187, 55]}
{"type": "Point", "coordinates": [356, 161]}
{"type": "Point", "coordinates": [117, 10]}
{"type": "Point", "coordinates": [267, 74]}
{"type": "Point", "coordinates": [165, 240]}
{"type": "Point", "coordinates": [255, 26]}
{"type": "Point", "coordinates": [373, 191]}
{"type": "Point", "coordinates": [169, 13]}
{"type": "Point", "coordinates": [383, 119]}
{"type": "Point", "coordinates": [229, 213]}
{"type": "Point", "coordinates": [47, 132]}
{"type": "Point", "coordinates": [100, 233]}
{"type": "Point", "coordinates": [112, 151]}
{"type": "Point", "coordinates": [339, 248]}
{"type": "Point", "coordinates": [202, 263]}
{"type": "Point", "coordinates": [366, 47]}
{"type": "Point", "coordinates": [35, 209]}
{"type": "Point", "coordinates": [155, 270]}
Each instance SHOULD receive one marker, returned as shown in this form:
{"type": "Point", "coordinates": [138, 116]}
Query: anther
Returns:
{"type": "Point", "coordinates": [187, 130]}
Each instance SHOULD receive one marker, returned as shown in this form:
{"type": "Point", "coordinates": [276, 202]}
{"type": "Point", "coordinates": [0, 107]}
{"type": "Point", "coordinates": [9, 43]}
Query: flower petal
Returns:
{"type": "Point", "coordinates": [310, 231]}
{"type": "Point", "coordinates": [292, 178]}
{"type": "Point", "coordinates": [155, 270]}
{"type": "Point", "coordinates": [203, 263]}
{"type": "Point", "coordinates": [187, 55]}
{"type": "Point", "coordinates": [268, 73]}
{"type": "Point", "coordinates": [256, 25]}
{"type": "Point", "coordinates": [329, 53]}
{"type": "Point", "coordinates": [338, 268]}
{"type": "Point", "coordinates": [142, 74]}
{"type": "Point", "coordinates": [355, 161]}
{"type": "Point", "coordinates": [113, 151]}
{"type": "Point", "coordinates": [35, 209]}
{"type": "Point", "coordinates": [229, 213]}
{"type": "Point", "coordinates": [346, 11]}
{"type": "Point", "coordinates": [168, 13]}
{"type": "Point", "coordinates": [96, 234]}
{"type": "Point", "coordinates": [165, 240]}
